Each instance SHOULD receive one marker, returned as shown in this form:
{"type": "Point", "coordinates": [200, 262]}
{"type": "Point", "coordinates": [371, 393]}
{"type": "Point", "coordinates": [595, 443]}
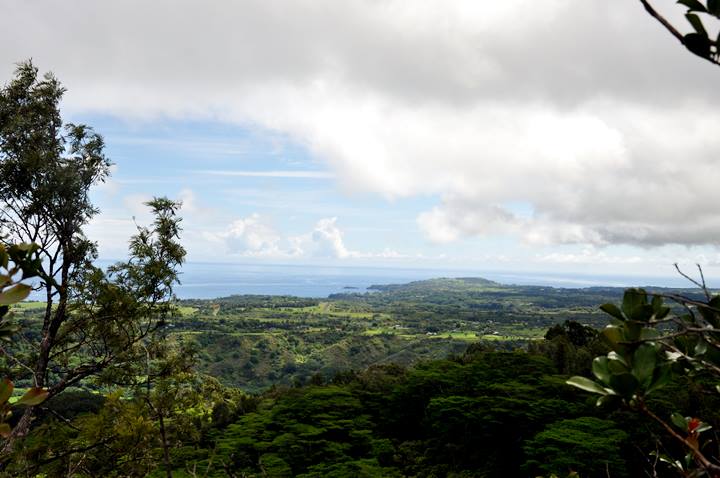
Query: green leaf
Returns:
{"type": "Point", "coordinates": [14, 294]}
{"type": "Point", "coordinates": [649, 333]}
{"type": "Point", "coordinates": [632, 299]}
{"type": "Point", "coordinates": [34, 396]}
{"type": "Point", "coordinates": [693, 5]}
{"type": "Point", "coordinates": [711, 312]}
{"type": "Point", "coordinates": [679, 421]}
{"type": "Point", "coordinates": [607, 400]}
{"type": "Point", "coordinates": [633, 328]}
{"type": "Point", "coordinates": [701, 347]}
{"type": "Point", "coordinates": [617, 357]}
{"type": "Point", "coordinates": [613, 310]}
{"type": "Point", "coordinates": [624, 384]}
{"type": "Point", "coordinates": [696, 23]}
{"type": "Point", "coordinates": [6, 390]}
{"type": "Point", "coordinates": [613, 335]}
{"type": "Point", "coordinates": [587, 385]}
{"type": "Point", "coordinates": [662, 313]}
{"type": "Point", "coordinates": [617, 367]}
{"type": "Point", "coordinates": [698, 44]}
{"type": "Point", "coordinates": [600, 369]}
{"type": "Point", "coordinates": [703, 428]}
{"type": "Point", "coordinates": [644, 313]}
{"type": "Point", "coordinates": [644, 360]}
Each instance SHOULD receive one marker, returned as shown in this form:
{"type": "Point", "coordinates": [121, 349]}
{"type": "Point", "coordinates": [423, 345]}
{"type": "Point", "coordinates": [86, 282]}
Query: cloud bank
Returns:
{"type": "Point", "coordinates": [586, 112]}
{"type": "Point", "coordinates": [254, 237]}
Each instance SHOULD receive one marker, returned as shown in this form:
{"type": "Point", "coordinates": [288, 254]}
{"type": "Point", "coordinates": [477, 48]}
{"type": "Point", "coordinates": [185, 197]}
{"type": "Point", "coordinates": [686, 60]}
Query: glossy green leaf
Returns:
{"type": "Point", "coordinates": [679, 421]}
{"type": "Point", "coordinates": [633, 328]}
{"type": "Point", "coordinates": [617, 367]}
{"type": "Point", "coordinates": [14, 294]}
{"type": "Point", "coordinates": [662, 313]}
{"type": "Point", "coordinates": [34, 396]}
{"type": "Point", "coordinates": [613, 335]}
{"type": "Point", "coordinates": [648, 333]}
{"type": "Point", "coordinates": [608, 400]}
{"type": "Point", "coordinates": [644, 360]}
{"type": "Point", "coordinates": [618, 357]}
{"type": "Point", "coordinates": [613, 310]}
{"type": "Point", "coordinates": [632, 299]}
{"type": "Point", "coordinates": [703, 428]}
{"type": "Point", "coordinates": [624, 384]}
{"type": "Point", "coordinates": [600, 369]}
{"type": "Point", "coordinates": [644, 313]}
{"type": "Point", "coordinates": [587, 385]}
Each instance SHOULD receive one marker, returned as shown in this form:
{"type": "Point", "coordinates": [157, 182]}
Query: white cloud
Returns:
{"type": "Point", "coordinates": [254, 237]}
{"type": "Point", "coordinates": [600, 122]}
{"type": "Point", "coordinates": [327, 240]}
{"type": "Point", "coordinates": [588, 255]}
{"type": "Point", "coordinates": [249, 236]}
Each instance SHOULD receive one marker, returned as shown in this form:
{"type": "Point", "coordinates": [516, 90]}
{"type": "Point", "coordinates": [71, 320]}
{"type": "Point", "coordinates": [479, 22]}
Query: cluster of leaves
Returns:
{"type": "Point", "coordinates": [22, 260]}
{"type": "Point", "coordinates": [699, 41]}
{"type": "Point", "coordinates": [635, 367]}
{"type": "Point", "coordinates": [16, 259]}
{"type": "Point", "coordinates": [650, 345]}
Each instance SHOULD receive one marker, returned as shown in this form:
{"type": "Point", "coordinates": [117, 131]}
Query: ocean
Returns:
{"type": "Point", "coordinates": [201, 280]}
{"type": "Point", "coordinates": [210, 280]}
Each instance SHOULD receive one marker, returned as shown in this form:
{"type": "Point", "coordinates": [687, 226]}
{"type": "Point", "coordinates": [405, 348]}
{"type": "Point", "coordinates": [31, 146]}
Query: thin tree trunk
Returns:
{"type": "Point", "coordinates": [166, 451]}
{"type": "Point", "coordinates": [19, 431]}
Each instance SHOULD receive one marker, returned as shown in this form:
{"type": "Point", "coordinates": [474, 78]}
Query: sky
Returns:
{"type": "Point", "coordinates": [541, 135]}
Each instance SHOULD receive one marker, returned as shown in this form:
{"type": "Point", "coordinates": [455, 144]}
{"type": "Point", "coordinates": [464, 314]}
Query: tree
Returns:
{"type": "Point", "coordinates": [93, 322]}
{"type": "Point", "coordinates": [699, 41]}
{"type": "Point", "coordinates": [587, 445]}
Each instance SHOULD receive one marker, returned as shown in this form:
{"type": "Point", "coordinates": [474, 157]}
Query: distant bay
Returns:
{"type": "Point", "coordinates": [209, 280]}
{"type": "Point", "coordinates": [205, 280]}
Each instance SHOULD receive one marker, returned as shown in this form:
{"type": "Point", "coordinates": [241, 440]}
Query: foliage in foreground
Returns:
{"type": "Point", "coordinates": [95, 325]}
{"type": "Point", "coordinates": [650, 344]}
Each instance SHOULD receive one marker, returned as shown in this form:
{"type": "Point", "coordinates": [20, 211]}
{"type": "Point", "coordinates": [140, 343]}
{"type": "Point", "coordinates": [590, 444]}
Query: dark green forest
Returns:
{"type": "Point", "coordinates": [373, 394]}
